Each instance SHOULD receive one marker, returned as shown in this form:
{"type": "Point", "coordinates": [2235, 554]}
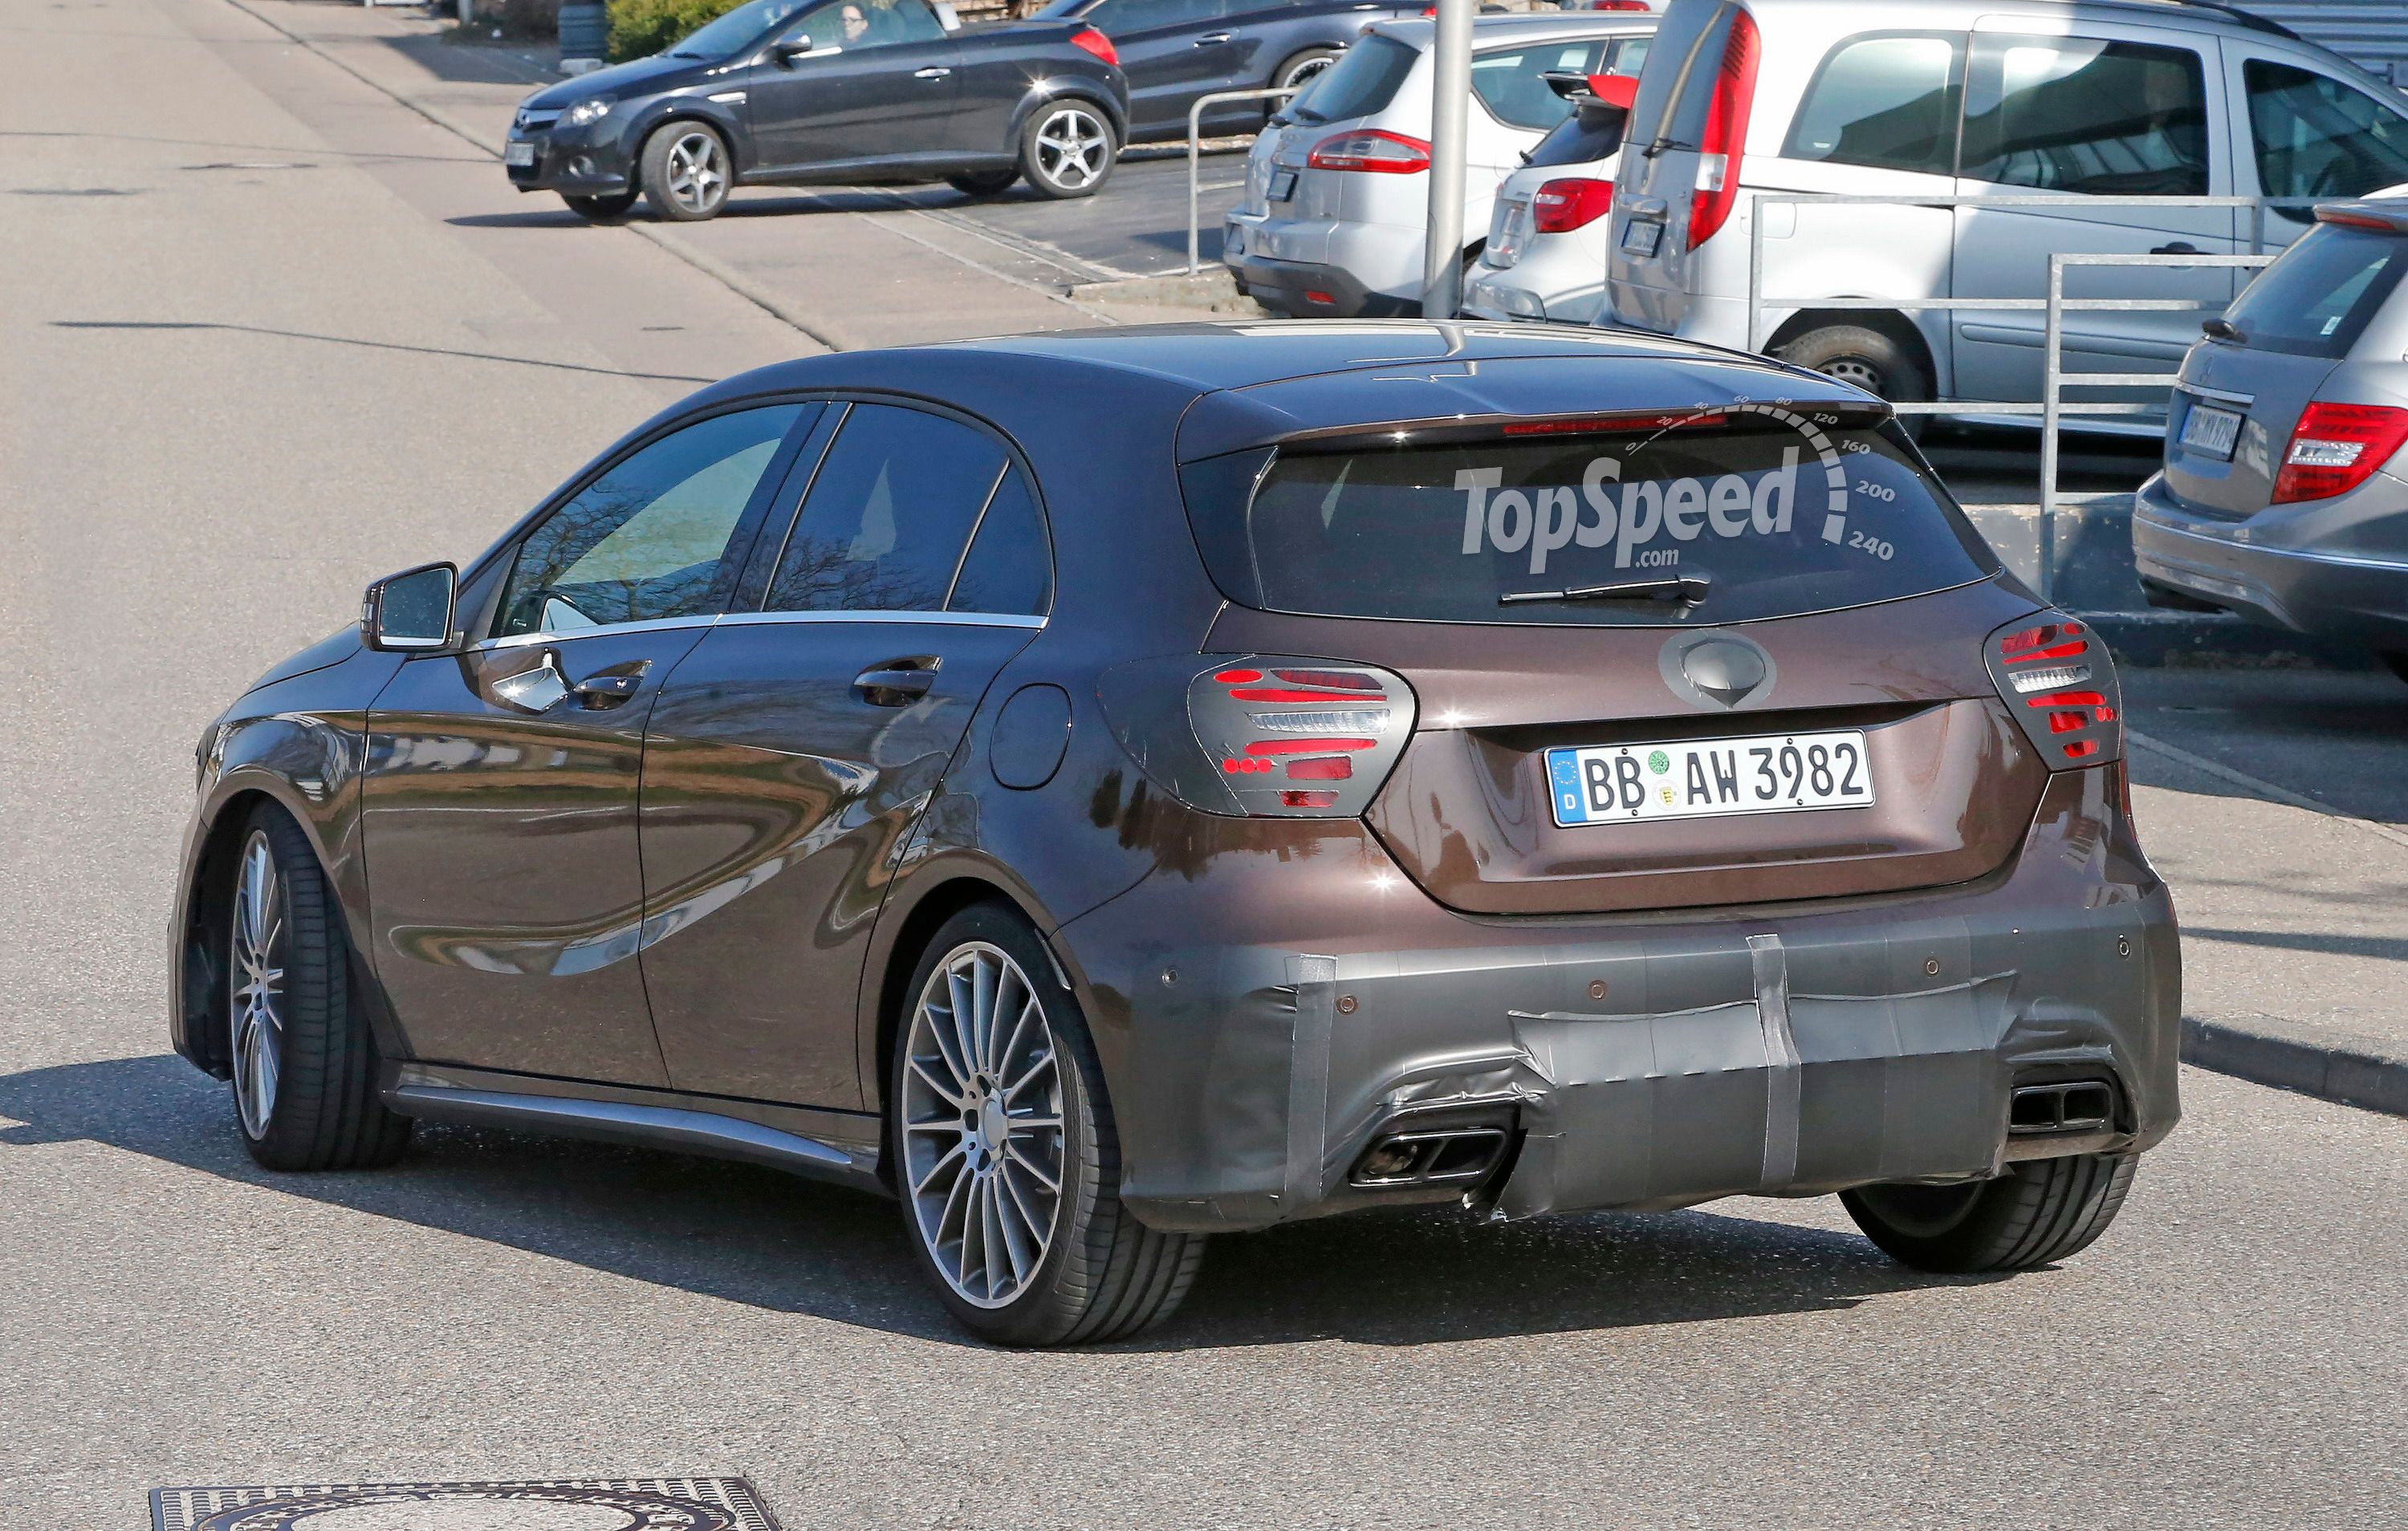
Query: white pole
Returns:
{"type": "Point", "coordinates": [1450, 148]}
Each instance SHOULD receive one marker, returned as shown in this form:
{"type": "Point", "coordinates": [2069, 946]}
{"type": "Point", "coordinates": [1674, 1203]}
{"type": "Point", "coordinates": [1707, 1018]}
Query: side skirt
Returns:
{"type": "Point", "coordinates": [837, 1146]}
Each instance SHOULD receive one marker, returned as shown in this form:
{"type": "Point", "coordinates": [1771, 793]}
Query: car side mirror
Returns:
{"type": "Point", "coordinates": [783, 54]}
{"type": "Point", "coordinates": [409, 611]}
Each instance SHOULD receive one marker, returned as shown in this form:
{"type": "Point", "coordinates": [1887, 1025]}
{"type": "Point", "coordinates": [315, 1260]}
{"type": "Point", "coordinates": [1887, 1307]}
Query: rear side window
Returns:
{"type": "Point", "coordinates": [2315, 137]}
{"type": "Point", "coordinates": [1009, 566]}
{"type": "Point", "coordinates": [2074, 114]}
{"type": "Point", "coordinates": [2316, 300]}
{"type": "Point", "coordinates": [888, 515]}
{"type": "Point", "coordinates": [1507, 80]}
{"type": "Point", "coordinates": [1745, 503]}
{"type": "Point", "coordinates": [1363, 81]}
{"type": "Point", "coordinates": [1886, 102]}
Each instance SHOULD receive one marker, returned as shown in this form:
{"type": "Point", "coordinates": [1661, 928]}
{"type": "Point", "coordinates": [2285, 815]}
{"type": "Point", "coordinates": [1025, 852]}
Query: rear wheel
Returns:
{"type": "Point", "coordinates": [2039, 1212]}
{"type": "Point", "coordinates": [1005, 1153]}
{"type": "Point", "coordinates": [304, 1067]}
{"type": "Point", "coordinates": [686, 172]}
{"type": "Point", "coordinates": [607, 208]}
{"type": "Point", "coordinates": [984, 183]}
{"type": "Point", "coordinates": [1869, 359]}
{"type": "Point", "coordinates": [1068, 149]}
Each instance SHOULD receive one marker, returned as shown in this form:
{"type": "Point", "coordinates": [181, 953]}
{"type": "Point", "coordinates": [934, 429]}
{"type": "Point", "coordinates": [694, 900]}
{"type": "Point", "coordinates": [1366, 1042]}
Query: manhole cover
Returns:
{"type": "Point", "coordinates": [584, 1504]}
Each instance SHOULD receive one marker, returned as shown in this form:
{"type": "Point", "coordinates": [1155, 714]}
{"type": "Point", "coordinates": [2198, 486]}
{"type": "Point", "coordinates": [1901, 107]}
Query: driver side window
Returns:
{"type": "Point", "coordinates": [853, 25]}
{"type": "Point", "coordinates": [644, 541]}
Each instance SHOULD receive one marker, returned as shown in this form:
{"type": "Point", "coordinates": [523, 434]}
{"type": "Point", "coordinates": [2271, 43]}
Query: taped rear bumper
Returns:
{"type": "Point", "coordinates": [1645, 1061]}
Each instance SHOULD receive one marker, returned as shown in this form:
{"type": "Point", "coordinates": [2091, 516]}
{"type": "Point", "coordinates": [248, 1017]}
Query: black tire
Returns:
{"type": "Point", "coordinates": [607, 208]}
{"type": "Point", "coordinates": [686, 171]}
{"type": "Point", "coordinates": [1068, 149]}
{"type": "Point", "coordinates": [984, 183]}
{"type": "Point", "coordinates": [1305, 64]}
{"type": "Point", "coordinates": [1103, 1275]}
{"type": "Point", "coordinates": [322, 1109]}
{"type": "Point", "coordinates": [2041, 1210]}
{"type": "Point", "coordinates": [1869, 359]}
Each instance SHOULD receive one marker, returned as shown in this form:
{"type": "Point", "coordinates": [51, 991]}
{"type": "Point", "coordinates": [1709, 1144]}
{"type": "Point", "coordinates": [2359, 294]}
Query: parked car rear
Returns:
{"type": "Point", "coordinates": [1944, 98]}
{"type": "Point", "coordinates": [2284, 497]}
{"type": "Point", "coordinates": [1337, 197]}
{"type": "Point", "coordinates": [1545, 255]}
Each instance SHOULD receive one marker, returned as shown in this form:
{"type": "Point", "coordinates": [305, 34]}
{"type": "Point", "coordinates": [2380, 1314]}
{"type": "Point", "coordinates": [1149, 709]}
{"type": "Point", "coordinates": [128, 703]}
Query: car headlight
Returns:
{"type": "Point", "coordinates": [586, 111]}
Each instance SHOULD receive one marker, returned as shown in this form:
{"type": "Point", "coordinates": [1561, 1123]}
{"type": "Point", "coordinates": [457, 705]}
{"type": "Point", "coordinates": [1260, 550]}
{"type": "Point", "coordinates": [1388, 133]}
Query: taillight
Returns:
{"type": "Point", "coordinates": [1096, 43]}
{"type": "Point", "coordinates": [2337, 447]}
{"type": "Point", "coordinates": [1725, 131]}
{"type": "Point", "coordinates": [1260, 736]}
{"type": "Point", "coordinates": [1375, 149]}
{"type": "Point", "coordinates": [1574, 202]}
{"type": "Point", "coordinates": [2060, 683]}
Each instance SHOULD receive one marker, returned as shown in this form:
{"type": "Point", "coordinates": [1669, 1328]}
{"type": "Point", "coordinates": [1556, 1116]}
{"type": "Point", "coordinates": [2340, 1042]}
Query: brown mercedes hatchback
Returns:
{"type": "Point", "coordinates": [1335, 766]}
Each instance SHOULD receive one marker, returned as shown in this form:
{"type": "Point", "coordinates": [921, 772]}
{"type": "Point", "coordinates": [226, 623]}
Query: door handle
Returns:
{"type": "Point", "coordinates": [607, 689]}
{"type": "Point", "coordinates": [934, 71]}
{"type": "Point", "coordinates": [1213, 38]}
{"type": "Point", "coordinates": [899, 682]}
{"type": "Point", "coordinates": [2176, 248]}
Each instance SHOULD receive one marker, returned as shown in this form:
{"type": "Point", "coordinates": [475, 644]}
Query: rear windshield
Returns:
{"type": "Point", "coordinates": [1587, 135]}
{"type": "Point", "coordinates": [1775, 519]}
{"type": "Point", "coordinates": [2316, 299]}
{"type": "Point", "coordinates": [1361, 81]}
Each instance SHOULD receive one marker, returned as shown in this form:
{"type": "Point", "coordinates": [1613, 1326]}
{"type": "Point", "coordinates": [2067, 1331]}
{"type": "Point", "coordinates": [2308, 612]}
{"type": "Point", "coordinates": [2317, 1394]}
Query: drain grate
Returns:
{"type": "Point", "coordinates": [567, 1504]}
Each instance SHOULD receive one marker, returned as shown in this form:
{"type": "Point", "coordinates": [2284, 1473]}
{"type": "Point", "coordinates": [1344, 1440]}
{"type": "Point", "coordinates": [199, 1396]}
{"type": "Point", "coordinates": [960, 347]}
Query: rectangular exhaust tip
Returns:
{"type": "Point", "coordinates": [2073, 1106]}
{"type": "Point", "coordinates": [1430, 1156]}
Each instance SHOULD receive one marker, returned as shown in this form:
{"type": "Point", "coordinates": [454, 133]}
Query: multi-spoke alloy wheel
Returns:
{"type": "Point", "coordinates": [982, 1148]}
{"type": "Point", "coordinates": [256, 1003]}
{"type": "Point", "coordinates": [1069, 151]}
{"type": "Point", "coordinates": [686, 172]}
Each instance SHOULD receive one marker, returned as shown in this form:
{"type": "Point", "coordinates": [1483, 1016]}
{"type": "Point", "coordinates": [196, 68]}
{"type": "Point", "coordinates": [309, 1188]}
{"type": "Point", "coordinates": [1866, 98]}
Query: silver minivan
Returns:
{"type": "Point", "coordinates": [1971, 98]}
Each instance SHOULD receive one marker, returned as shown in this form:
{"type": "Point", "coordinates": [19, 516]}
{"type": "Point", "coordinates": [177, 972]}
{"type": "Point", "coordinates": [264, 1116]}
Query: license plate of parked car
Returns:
{"type": "Point", "coordinates": [1639, 237]}
{"type": "Point", "coordinates": [1283, 185]}
{"type": "Point", "coordinates": [1767, 773]}
{"type": "Point", "coordinates": [2211, 430]}
{"type": "Point", "coordinates": [519, 153]}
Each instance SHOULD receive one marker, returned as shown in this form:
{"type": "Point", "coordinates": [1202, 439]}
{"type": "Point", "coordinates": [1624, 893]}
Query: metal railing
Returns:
{"type": "Point", "coordinates": [1196, 152]}
{"type": "Point", "coordinates": [2052, 407]}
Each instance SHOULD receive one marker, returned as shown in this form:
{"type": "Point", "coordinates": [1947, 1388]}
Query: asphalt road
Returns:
{"type": "Point", "coordinates": [268, 333]}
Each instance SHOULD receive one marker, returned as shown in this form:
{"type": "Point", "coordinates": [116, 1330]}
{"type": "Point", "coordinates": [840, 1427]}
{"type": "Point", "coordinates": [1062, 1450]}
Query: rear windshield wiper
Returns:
{"type": "Point", "coordinates": [1688, 589]}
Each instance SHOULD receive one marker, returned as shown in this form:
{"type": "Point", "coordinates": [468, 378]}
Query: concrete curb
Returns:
{"type": "Point", "coordinates": [2349, 1070]}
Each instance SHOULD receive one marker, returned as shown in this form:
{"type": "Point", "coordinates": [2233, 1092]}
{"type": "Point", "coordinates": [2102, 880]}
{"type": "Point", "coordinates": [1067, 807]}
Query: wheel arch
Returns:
{"type": "Point", "coordinates": [1044, 93]}
{"type": "Point", "coordinates": [1895, 324]}
{"type": "Point", "coordinates": [739, 145]}
{"type": "Point", "coordinates": [207, 891]}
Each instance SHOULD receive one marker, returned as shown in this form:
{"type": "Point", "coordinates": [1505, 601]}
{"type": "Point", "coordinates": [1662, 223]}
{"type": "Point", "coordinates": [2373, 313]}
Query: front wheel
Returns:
{"type": "Point", "coordinates": [686, 172]}
{"type": "Point", "coordinates": [2039, 1212]}
{"type": "Point", "coordinates": [1005, 1153]}
{"type": "Point", "coordinates": [1068, 149]}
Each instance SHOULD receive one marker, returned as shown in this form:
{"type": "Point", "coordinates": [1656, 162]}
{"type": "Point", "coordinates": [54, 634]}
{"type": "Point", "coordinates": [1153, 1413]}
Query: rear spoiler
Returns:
{"type": "Point", "coordinates": [1592, 90]}
{"type": "Point", "coordinates": [2381, 214]}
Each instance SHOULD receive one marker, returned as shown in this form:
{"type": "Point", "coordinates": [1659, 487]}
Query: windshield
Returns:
{"type": "Point", "coordinates": [1714, 518]}
{"type": "Point", "coordinates": [1587, 135]}
{"type": "Point", "coordinates": [2316, 300]}
{"type": "Point", "coordinates": [1361, 81]}
{"type": "Point", "coordinates": [735, 31]}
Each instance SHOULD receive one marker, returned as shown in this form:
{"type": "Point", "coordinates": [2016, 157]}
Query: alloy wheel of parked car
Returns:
{"type": "Point", "coordinates": [1007, 1158]}
{"type": "Point", "coordinates": [1069, 151]}
{"type": "Point", "coordinates": [686, 172]}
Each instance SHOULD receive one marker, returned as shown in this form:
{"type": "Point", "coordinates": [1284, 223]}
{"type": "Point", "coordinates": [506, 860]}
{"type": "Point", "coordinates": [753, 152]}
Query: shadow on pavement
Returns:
{"type": "Point", "coordinates": [770, 1240]}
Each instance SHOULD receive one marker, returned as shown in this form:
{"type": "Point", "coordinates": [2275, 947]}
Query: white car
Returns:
{"type": "Point", "coordinates": [1337, 193]}
{"type": "Point", "coordinates": [1545, 255]}
{"type": "Point", "coordinates": [1970, 98]}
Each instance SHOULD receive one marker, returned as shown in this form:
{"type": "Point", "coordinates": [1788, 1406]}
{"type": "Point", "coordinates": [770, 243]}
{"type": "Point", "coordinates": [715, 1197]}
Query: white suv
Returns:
{"type": "Point", "coordinates": [1336, 193]}
{"type": "Point", "coordinates": [1970, 98]}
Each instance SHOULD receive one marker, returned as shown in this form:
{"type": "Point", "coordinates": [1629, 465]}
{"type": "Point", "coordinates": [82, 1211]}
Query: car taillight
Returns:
{"type": "Point", "coordinates": [1725, 131]}
{"type": "Point", "coordinates": [2337, 447]}
{"type": "Point", "coordinates": [2058, 680]}
{"type": "Point", "coordinates": [1371, 148]}
{"type": "Point", "coordinates": [1096, 43]}
{"type": "Point", "coordinates": [1574, 202]}
{"type": "Point", "coordinates": [1263, 736]}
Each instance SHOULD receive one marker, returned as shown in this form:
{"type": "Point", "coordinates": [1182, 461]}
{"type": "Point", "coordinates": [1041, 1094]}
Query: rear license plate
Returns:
{"type": "Point", "coordinates": [517, 154]}
{"type": "Point", "coordinates": [1283, 185]}
{"type": "Point", "coordinates": [1640, 237]}
{"type": "Point", "coordinates": [1767, 773]}
{"type": "Point", "coordinates": [2210, 429]}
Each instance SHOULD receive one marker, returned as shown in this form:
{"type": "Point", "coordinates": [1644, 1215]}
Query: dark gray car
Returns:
{"type": "Point", "coordinates": [2283, 497]}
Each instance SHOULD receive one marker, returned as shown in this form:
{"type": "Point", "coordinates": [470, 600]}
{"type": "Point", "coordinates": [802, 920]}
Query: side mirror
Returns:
{"type": "Point", "coordinates": [410, 610]}
{"type": "Point", "coordinates": [783, 54]}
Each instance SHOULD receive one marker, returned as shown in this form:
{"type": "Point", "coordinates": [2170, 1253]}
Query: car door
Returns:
{"type": "Point", "coordinates": [878, 85]}
{"type": "Point", "coordinates": [2107, 116]}
{"type": "Point", "coordinates": [1172, 53]}
{"type": "Point", "coordinates": [499, 792]}
{"type": "Point", "coordinates": [2309, 134]}
{"type": "Point", "coordinates": [794, 749]}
